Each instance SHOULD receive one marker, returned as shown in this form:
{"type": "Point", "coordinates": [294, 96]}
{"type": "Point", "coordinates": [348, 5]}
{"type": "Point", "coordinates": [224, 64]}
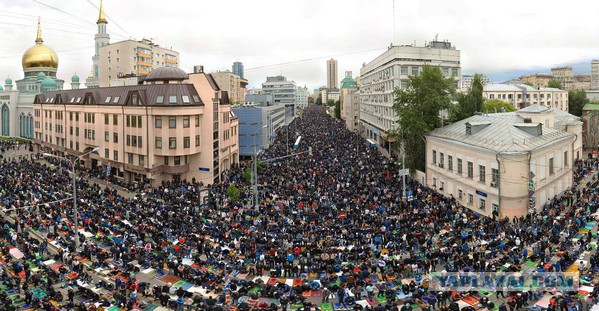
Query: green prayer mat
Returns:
{"type": "Point", "coordinates": [531, 264]}
{"type": "Point", "coordinates": [326, 306]}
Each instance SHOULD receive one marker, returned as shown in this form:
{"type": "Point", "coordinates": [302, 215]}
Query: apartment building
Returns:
{"type": "Point", "coordinates": [231, 83]}
{"type": "Point", "coordinates": [511, 162]}
{"type": "Point", "coordinates": [537, 79]}
{"type": "Point", "coordinates": [130, 57]}
{"type": "Point", "coordinates": [564, 75]}
{"type": "Point", "coordinates": [174, 126]}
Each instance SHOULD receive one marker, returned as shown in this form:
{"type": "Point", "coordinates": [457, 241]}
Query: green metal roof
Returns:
{"type": "Point", "coordinates": [591, 107]}
{"type": "Point", "coordinates": [348, 83]}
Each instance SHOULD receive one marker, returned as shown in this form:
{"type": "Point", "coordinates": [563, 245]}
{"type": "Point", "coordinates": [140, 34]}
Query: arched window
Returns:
{"type": "Point", "coordinates": [22, 125]}
{"type": "Point", "coordinates": [29, 126]}
{"type": "Point", "coordinates": [5, 121]}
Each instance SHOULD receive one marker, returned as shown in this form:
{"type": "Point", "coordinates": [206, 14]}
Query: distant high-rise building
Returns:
{"type": "Point", "coordinates": [332, 74]}
{"type": "Point", "coordinates": [564, 76]}
{"type": "Point", "coordinates": [238, 69]}
{"type": "Point", "coordinates": [595, 74]}
{"type": "Point", "coordinates": [282, 91]}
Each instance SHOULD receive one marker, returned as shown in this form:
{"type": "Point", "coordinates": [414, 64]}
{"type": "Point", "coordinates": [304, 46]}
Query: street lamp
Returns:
{"type": "Point", "coordinates": [73, 163]}
{"type": "Point", "coordinates": [255, 168]}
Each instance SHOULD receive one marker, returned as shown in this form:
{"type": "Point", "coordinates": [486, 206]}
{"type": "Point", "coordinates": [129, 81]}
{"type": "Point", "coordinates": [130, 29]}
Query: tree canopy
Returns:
{"type": "Point", "coordinates": [576, 101]}
{"type": "Point", "coordinates": [554, 84]}
{"type": "Point", "coordinates": [338, 109]}
{"type": "Point", "coordinates": [417, 107]}
{"type": "Point", "coordinates": [496, 105]}
{"type": "Point", "coordinates": [470, 102]}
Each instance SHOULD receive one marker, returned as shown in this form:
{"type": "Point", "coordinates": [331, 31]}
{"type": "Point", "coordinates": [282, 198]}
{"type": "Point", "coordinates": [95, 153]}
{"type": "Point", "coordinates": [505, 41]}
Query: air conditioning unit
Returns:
{"type": "Point", "coordinates": [493, 184]}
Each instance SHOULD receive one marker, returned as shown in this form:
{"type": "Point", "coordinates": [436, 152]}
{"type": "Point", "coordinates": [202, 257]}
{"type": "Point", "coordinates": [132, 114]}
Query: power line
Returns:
{"type": "Point", "coordinates": [309, 59]}
{"type": "Point", "coordinates": [64, 12]}
{"type": "Point", "coordinates": [111, 19]}
{"type": "Point", "coordinates": [54, 29]}
{"type": "Point", "coordinates": [46, 20]}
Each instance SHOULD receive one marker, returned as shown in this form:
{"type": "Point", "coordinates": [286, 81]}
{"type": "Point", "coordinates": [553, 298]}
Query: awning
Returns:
{"type": "Point", "coordinates": [376, 132]}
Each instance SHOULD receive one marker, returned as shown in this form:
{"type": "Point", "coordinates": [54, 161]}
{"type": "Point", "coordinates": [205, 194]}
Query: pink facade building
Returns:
{"type": "Point", "coordinates": [170, 126]}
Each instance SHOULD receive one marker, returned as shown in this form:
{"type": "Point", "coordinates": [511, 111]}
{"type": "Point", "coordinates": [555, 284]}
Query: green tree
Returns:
{"type": "Point", "coordinates": [247, 175]}
{"type": "Point", "coordinates": [470, 102]}
{"type": "Point", "coordinates": [310, 100]}
{"type": "Point", "coordinates": [418, 108]}
{"type": "Point", "coordinates": [338, 109]}
{"type": "Point", "coordinates": [495, 105]}
{"type": "Point", "coordinates": [576, 101]}
{"type": "Point", "coordinates": [233, 192]}
{"type": "Point", "coordinates": [319, 99]}
{"type": "Point", "coordinates": [554, 84]}
{"type": "Point", "coordinates": [331, 102]}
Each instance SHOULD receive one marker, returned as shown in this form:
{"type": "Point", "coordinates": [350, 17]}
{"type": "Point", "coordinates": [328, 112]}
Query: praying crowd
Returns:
{"type": "Point", "coordinates": [332, 221]}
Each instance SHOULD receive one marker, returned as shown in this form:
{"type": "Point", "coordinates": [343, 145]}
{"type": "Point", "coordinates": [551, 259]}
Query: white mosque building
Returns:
{"type": "Point", "coordinates": [40, 64]}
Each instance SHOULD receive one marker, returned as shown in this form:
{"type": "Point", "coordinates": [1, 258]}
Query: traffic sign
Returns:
{"type": "Point", "coordinates": [204, 169]}
{"type": "Point", "coordinates": [404, 172]}
{"type": "Point", "coordinates": [531, 186]}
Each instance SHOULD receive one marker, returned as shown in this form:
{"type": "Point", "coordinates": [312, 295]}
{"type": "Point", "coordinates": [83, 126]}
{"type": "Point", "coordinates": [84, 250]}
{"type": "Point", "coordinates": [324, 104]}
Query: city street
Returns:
{"type": "Point", "coordinates": [333, 219]}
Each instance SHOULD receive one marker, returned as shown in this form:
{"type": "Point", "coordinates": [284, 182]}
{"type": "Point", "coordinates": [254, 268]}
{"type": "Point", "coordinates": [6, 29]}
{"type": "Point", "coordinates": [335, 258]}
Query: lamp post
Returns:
{"type": "Point", "coordinates": [255, 168]}
{"type": "Point", "coordinates": [74, 181]}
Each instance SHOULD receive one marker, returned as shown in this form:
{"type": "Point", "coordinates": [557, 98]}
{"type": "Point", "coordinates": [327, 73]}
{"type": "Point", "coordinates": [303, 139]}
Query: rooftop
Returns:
{"type": "Point", "coordinates": [516, 87]}
{"type": "Point", "coordinates": [505, 132]}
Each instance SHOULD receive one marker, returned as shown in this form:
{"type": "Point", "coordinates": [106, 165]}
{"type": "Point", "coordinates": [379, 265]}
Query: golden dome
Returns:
{"type": "Point", "coordinates": [39, 55]}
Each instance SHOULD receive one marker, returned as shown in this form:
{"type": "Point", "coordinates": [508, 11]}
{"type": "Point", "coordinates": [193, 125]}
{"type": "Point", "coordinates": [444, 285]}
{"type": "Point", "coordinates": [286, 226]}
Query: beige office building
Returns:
{"type": "Point", "coordinates": [130, 57]}
{"type": "Point", "coordinates": [509, 162]}
{"type": "Point", "coordinates": [537, 79]}
{"type": "Point", "coordinates": [231, 83]}
{"type": "Point", "coordinates": [162, 129]}
{"type": "Point", "coordinates": [563, 75]}
{"type": "Point", "coordinates": [332, 78]}
{"type": "Point", "coordinates": [522, 95]}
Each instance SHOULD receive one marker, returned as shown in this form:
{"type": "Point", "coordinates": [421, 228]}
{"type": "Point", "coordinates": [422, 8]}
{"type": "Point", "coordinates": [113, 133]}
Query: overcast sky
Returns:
{"type": "Point", "coordinates": [294, 38]}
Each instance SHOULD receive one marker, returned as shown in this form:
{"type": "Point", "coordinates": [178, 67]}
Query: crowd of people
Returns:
{"type": "Point", "coordinates": [335, 219]}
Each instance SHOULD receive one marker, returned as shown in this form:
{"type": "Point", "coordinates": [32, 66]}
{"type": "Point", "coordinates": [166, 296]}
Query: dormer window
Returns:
{"type": "Point", "coordinates": [160, 99]}
{"type": "Point", "coordinates": [172, 99]}
{"type": "Point", "coordinates": [72, 100]}
{"type": "Point", "coordinates": [196, 99]}
{"type": "Point", "coordinates": [116, 99]}
{"type": "Point", "coordinates": [107, 101]}
{"type": "Point", "coordinates": [78, 100]}
{"type": "Point", "coordinates": [185, 99]}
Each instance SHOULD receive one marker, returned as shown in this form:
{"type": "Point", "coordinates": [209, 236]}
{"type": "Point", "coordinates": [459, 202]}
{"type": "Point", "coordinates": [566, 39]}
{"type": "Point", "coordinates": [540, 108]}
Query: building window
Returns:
{"type": "Point", "coordinates": [159, 99]}
{"type": "Point", "coordinates": [441, 159]}
{"type": "Point", "coordinates": [130, 158]}
{"type": "Point", "coordinates": [197, 140]}
{"type": "Point", "coordinates": [481, 173]}
{"type": "Point", "coordinates": [139, 121]}
{"type": "Point", "coordinates": [172, 99]}
{"type": "Point", "coordinates": [142, 160]}
{"type": "Point", "coordinates": [172, 142]}
{"type": "Point", "coordinates": [128, 140]}
{"type": "Point", "coordinates": [106, 153]}
{"type": "Point", "coordinates": [565, 158]}
{"type": "Point", "coordinates": [172, 122]}
{"type": "Point", "coordinates": [134, 141]}
{"type": "Point", "coordinates": [177, 160]}
{"type": "Point", "coordinates": [185, 99]}
{"type": "Point", "coordinates": [404, 70]}
{"type": "Point", "coordinates": [450, 163]}
{"type": "Point", "coordinates": [106, 136]}
{"type": "Point", "coordinates": [165, 160]}
{"type": "Point", "coordinates": [186, 121]}
{"type": "Point", "coordinates": [434, 157]}
{"type": "Point", "coordinates": [481, 204]}
{"type": "Point", "coordinates": [139, 141]}
{"type": "Point", "coordinates": [197, 121]}
{"type": "Point", "coordinates": [470, 198]}
{"type": "Point", "coordinates": [460, 166]}
{"type": "Point", "coordinates": [158, 142]}
{"type": "Point", "coordinates": [116, 155]}
{"type": "Point", "coordinates": [470, 170]}
{"type": "Point", "coordinates": [494, 177]}
{"type": "Point", "coordinates": [115, 120]}
{"type": "Point", "coordinates": [106, 119]}
{"type": "Point", "coordinates": [460, 194]}
{"type": "Point", "coordinates": [158, 122]}
{"type": "Point", "coordinates": [186, 142]}
{"type": "Point", "coordinates": [128, 118]}
{"type": "Point", "coordinates": [551, 166]}
{"type": "Point", "coordinates": [415, 71]}
{"type": "Point", "coordinates": [115, 137]}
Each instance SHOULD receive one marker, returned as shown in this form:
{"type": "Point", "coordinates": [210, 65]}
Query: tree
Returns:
{"type": "Point", "coordinates": [247, 174]}
{"type": "Point", "coordinates": [319, 99]}
{"type": "Point", "coordinates": [418, 108]}
{"type": "Point", "coordinates": [233, 192]}
{"type": "Point", "coordinates": [496, 105]}
{"type": "Point", "coordinates": [338, 109]}
{"type": "Point", "coordinates": [331, 102]}
{"type": "Point", "coordinates": [576, 101]}
{"type": "Point", "coordinates": [470, 102]}
{"type": "Point", "coordinates": [310, 100]}
{"type": "Point", "coordinates": [554, 84]}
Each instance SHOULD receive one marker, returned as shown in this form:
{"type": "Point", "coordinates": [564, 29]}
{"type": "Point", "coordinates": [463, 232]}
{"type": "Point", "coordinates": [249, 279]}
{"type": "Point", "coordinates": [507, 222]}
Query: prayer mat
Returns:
{"type": "Point", "coordinates": [170, 279]}
{"type": "Point", "coordinates": [113, 308]}
{"type": "Point", "coordinates": [179, 284]}
{"type": "Point", "coordinates": [470, 300]}
{"type": "Point", "coordinates": [531, 264]}
{"type": "Point", "coordinates": [255, 289]}
{"type": "Point", "coordinates": [186, 286]}
{"type": "Point", "coordinates": [295, 306]}
{"type": "Point", "coordinates": [272, 282]}
{"type": "Point", "coordinates": [151, 307]}
{"type": "Point", "coordinates": [159, 276]}
{"type": "Point", "coordinates": [242, 276]}
{"type": "Point", "coordinates": [381, 300]}
{"type": "Point", "coordinates": [317, 293]}
{"type": "Point", "coordinates": [72, 276]}
{"type": "Point", "coordinates": [340, 307]}
{"type": "Point", "coordinates": [326, 306]}
{"type": "Point", "coordinates": [485, 293]}
{"type": "Point", "coordinates": [371, 301]}
{"type": "Point", "coordinates": [415, 306]}
{"type": "Point", "coordinates": [297, 282]}
{"type": "Point", "coordinates": [307, 293]}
